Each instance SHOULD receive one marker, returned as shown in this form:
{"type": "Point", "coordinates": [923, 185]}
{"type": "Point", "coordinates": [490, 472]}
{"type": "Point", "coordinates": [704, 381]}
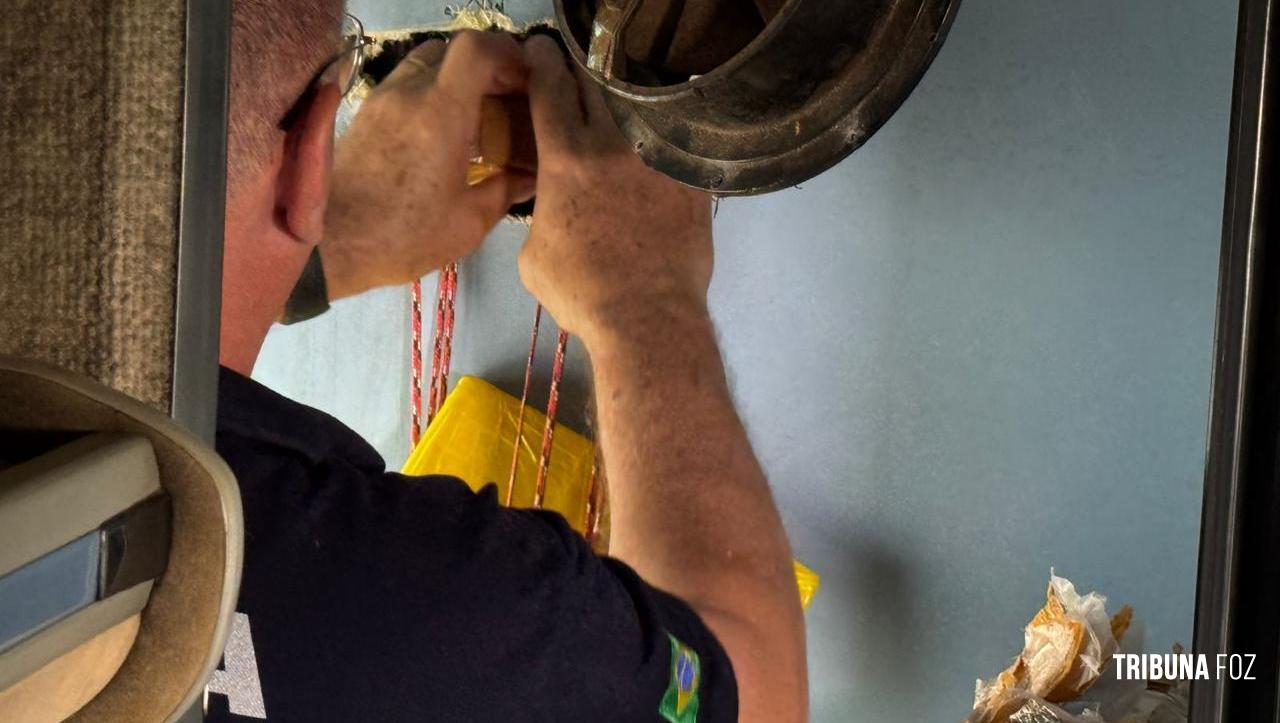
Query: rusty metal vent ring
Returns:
{"type": "Point", "coordinates": [812, 86]}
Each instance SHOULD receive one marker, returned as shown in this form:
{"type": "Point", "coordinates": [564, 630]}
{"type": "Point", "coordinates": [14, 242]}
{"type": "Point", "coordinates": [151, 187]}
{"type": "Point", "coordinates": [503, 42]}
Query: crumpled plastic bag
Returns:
{"type": "Point", "coordinates": [1065, 648]}
{"type": "Point", "coordinates": [1069, 641]}
{"type": "Point", "coordinates": [1062, 673]}
{"type": "Point", "coordinates": [1139, 704]}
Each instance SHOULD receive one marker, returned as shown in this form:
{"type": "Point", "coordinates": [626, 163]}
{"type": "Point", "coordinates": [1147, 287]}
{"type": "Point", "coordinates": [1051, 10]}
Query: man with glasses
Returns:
{"type": "Point", "coordinates": [369, 596]}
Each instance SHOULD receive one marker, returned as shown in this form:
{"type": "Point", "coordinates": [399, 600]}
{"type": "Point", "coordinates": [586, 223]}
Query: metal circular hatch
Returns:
{"type": "Point", "coordinates": [740, 97]}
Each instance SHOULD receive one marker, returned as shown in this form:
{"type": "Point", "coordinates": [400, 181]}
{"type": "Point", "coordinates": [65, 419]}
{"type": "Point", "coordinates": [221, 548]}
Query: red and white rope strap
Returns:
{"type": "Point", "coordinates": [415, 362]}
{"type": "Point", "coordinates": [524, 401]}
{"type": "Point", "coordinates": [438, 387]}
{"type": "Point", "coordinates": [549, 431]}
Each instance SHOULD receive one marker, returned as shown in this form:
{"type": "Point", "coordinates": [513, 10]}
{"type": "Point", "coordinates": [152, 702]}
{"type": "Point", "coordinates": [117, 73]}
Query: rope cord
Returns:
{"type": "Point", "coordinates": [446, 339]}
{"type": "Point", "coordinates": [438, 385]}
{"type": "Point", "coordinates": [524, 400]}
{"type": "Point", "coordinates": [442, 340]}
{"type": "Point", "coordinates": [415, 362]}
{"type": "Point", "coordinates": [549, 431]}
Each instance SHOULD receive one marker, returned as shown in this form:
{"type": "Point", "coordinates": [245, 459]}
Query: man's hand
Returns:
{"type": "Point", "coordinates": [400, 205]}
{"type": "Point", "coordinates": [621, 256]}
{"type": "Point", "coordinates": [613, 242]}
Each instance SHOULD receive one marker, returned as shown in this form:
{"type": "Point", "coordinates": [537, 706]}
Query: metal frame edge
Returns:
{"type": "Point", "coordinates": [202, 202]}
{"type": "Point", "coordinates": [197, 311]}
{"type": "Point", "coordinates": [1241, 432]}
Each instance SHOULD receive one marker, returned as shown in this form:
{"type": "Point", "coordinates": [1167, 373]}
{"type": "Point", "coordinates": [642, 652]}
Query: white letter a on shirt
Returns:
{"type": "Point", "coordinates": [238, 677]}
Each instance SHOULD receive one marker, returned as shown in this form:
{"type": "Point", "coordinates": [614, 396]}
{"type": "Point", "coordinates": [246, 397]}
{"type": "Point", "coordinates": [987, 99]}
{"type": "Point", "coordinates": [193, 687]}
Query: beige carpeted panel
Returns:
{"type": "Point", "coordinates": [90, 141]}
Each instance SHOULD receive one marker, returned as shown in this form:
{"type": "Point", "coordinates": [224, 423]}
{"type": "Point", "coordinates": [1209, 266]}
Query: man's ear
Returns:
{"type": "Point", "coordinates": [303, 185]}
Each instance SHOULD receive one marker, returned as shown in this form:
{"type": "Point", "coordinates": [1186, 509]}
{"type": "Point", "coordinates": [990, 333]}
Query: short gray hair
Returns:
{"type": "Point", "coordinates": [277, 47]}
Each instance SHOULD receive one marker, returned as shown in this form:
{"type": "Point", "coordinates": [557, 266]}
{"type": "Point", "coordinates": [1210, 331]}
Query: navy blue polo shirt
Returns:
{"type": "Point", "coordinates": [372, 596]}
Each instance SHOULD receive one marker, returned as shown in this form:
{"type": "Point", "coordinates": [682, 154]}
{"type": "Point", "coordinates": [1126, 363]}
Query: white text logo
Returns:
{"type": "Point", "coordinates": [1183, 666]}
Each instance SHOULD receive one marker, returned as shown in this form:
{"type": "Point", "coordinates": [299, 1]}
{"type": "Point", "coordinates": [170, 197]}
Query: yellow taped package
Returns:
{"type": "Point", "coordinates": [807, 581]}
{"type": "Point", "coordinates": [471, 439]}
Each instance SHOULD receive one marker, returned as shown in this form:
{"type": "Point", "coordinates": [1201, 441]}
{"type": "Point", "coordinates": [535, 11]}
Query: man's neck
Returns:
{"type": "Point", "coordinates": [260, 266]}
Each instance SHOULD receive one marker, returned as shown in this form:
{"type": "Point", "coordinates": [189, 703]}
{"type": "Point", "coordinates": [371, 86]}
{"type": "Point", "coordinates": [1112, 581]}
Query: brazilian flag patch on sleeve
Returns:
{"type": "Point", "coordinates": [680, 702]}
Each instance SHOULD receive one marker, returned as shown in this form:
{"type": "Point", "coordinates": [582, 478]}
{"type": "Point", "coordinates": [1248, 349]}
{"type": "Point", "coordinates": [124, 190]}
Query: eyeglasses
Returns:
{"type": "Point", "coordinates": [350, 60]}
{"type": "Point", "coordinates": [344, 68]}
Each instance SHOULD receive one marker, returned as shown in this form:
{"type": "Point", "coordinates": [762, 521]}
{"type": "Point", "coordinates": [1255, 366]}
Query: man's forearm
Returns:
{"type": "Point", "coordinates": [686, 491]}
{"type": "Point", "coordinates": [690, 505]}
